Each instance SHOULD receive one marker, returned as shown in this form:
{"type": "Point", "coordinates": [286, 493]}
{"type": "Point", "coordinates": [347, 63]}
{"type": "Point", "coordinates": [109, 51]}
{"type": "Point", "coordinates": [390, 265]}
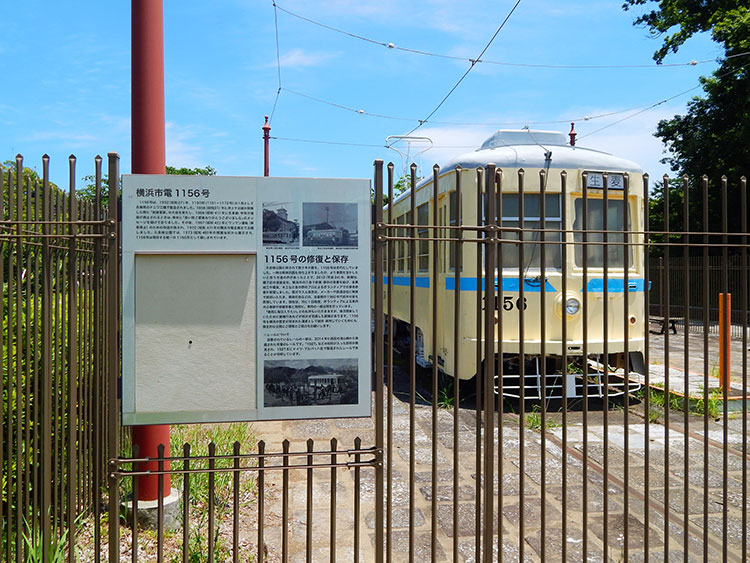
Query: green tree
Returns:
{"type": "Point", "coordinates": [207, 171]}
{"type": "Point", "coordinates": [30, 178]}
{"type": "Point", "coordinates": [713, 136]}
{"type": "Point", "coordinates": [402, 185]}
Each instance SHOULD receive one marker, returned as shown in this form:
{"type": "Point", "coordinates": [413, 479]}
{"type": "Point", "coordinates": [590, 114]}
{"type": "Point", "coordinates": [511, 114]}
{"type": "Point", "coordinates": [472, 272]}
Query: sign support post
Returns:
{"type": "Point", "coordinates": [148, 154]}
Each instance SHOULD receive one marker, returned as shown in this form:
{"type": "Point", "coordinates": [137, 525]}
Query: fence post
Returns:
{"type": "Point", "coordinates": [379, 247]}
{"type": "Point", "coordinates": [725, 326]}
{"type": "Point", "coordinates": [113, 357]}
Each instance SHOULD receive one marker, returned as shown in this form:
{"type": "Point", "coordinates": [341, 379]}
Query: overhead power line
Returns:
{"type": "Point", "coordinates": [278, 61]}
{"type": "Point", "coordinates": [637, 110]}
{"type": "Point", "coordinates": [468, 70]}
{"type": "Point", "coordinates": [652, 106]}
{"type": "Point", "coordinates": [321, 142]}
{"type": "Point", "coordinates": [640, 110]}
{"type": "Point", "coordinates": [460, 123]}
{"type": "Point", "coordinates": [392, 46]}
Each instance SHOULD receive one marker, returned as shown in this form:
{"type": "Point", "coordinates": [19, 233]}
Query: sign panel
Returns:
{"type": "Point", "coordinates": [245, 298]}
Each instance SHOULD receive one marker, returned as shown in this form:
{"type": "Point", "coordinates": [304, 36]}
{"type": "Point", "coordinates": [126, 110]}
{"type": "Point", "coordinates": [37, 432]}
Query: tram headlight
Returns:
{"type": "Point", "coordinates": [567, 305]}
{"type": "Point", "coordinates": [572, 306]}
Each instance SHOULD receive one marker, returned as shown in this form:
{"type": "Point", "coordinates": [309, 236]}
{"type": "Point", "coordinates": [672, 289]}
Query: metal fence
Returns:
{"type": "Point", "coordinates": [582, 435]}
{"type": "Point", "coordinates": [657, 472]}
{"type": "Point", "coordinates": [690, 272]}
{"type": "Point", "coordinates": [59, 313]}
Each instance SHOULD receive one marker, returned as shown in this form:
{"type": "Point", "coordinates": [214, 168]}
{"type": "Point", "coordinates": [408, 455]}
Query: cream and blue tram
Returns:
{"type": "Point", "coordinates": [622, 285]}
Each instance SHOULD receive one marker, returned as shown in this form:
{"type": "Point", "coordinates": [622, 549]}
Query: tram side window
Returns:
{"type": "Point", "coordinates": [531, 255]}
{"type": "Point", "coordinates": [407, 245]}
{"type": "Point", "coordinates": [423, 252]}
{"type": "Point", "coordinates": [616, 221]}
{"type": "Point", "coordinates": [400, 254]}
{"type": "Point", "coordinates": [452, 220]}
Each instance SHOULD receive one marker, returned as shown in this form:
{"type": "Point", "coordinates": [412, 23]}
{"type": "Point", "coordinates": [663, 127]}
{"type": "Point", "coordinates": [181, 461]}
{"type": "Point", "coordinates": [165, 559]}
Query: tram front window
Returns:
{"type": "Point", "coordinates": [532, 251]}
{"type": "Point", "coordinates": [618, 221]}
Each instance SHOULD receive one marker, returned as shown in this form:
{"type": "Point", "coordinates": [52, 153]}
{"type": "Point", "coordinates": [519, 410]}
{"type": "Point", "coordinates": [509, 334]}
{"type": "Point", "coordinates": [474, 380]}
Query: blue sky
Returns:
{"type": "Point", "coordinates": [65, 70]}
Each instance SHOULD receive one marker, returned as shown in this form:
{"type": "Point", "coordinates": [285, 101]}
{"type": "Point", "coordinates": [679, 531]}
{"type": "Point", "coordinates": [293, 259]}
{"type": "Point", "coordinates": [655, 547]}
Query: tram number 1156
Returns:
{"type": "Point", "coordinates": [509, 304]}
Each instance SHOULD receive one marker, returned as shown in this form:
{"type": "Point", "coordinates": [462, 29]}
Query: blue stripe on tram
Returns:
{"type": "Point", "coordinates": [530, 285]}
{"type": "Point", "coordinates": [616, 285]}
{"type": "Point", "coordinates": [421, 281]}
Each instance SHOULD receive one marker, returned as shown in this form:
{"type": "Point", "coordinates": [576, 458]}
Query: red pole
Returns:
{"type": "Point", "coordinates": [266, 139]}
{"type": "Point", "coordinates": [572, 134]}
{"type": "Point", "coordinates": [148, 157]}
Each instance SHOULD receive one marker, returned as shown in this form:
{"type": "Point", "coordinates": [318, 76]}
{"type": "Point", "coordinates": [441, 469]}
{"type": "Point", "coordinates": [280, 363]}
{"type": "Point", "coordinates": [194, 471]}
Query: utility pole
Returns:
{"type": "Point", "coordinates": [148, 154]}
{"type": "Point", "coordinates": [266, 141]}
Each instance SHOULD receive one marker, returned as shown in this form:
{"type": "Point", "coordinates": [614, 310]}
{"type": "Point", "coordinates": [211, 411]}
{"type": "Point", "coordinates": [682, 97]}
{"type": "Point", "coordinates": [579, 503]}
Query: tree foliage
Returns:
{"type": "Point", "coordinates": [684, 18]}
{"type": "Point", "coordinates": [207, 171]}
{"type": "Point", "coordinates": [713, 137]}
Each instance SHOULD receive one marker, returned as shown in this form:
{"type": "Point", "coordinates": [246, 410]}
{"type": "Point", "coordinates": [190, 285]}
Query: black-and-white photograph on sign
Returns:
{"type": "Point", "coordinates": [280, 226]}
{"type": "Point", "coordinates": [290, 383]}
{"type": "Point", "coordinates": [329, 224]}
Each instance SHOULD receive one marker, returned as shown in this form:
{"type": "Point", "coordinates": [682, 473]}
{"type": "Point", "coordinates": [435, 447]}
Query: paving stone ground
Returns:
{"type": "Point", "coordinates": [655, 472]}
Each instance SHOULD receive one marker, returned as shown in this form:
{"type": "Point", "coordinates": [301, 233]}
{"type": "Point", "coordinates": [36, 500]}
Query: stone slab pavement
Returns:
{"type": "Point", "coordinates": [656, 474]}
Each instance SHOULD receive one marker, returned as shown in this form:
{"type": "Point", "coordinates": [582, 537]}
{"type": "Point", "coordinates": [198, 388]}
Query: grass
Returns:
{"type": "Point", "coordinates": [57, 549]}
{"type": "Point", "coordinates": [446, 395]}
{"type": "Point", "coordinates": [574, 368]}
{"type": "Point", "coordinates": [534, 420]}
{"type": "Point", "coordinates": [709, 402]}
{"type": "Point", "coordinates": [199, 436]}
{"type": "Point", "coordinates": [223, 436]}
{"type": "Point", "coordinates": [658, 398]}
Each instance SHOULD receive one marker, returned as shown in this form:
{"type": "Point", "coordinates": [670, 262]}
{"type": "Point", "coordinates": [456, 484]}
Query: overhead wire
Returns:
{"type": "Point", "coordinates": [348, 108]}
{"type": "Point", "coordinates": [479, 123]}
{"type": "Point", "coordinates": [652, 106]}
{"type": "Point", "coordinates": [641, 109]}
{"type": "Point", "coordinates": [392, 46]}
{"type": "Point", "coordinates": [468, 70]}
{"type": "Point", "coordinates": [278, 61]}
{"type": "Point", "coordinates": [320, 142]}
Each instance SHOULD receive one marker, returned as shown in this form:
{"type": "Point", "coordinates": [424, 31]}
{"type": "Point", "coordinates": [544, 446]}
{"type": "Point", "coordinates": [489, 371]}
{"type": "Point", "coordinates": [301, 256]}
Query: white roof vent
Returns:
{"type": "Point", "coordinates": [506, 137]}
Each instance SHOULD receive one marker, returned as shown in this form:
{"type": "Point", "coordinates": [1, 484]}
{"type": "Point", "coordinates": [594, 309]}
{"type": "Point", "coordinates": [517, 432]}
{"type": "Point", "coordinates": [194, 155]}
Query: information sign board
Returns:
{"type": "Point", "coordinates": [244, 298]}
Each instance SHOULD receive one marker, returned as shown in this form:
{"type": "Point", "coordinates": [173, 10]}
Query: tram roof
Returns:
{"type": "Point", "coordinates": [527, 148]}
{"type": "Point", "coordinates": [530, 149]}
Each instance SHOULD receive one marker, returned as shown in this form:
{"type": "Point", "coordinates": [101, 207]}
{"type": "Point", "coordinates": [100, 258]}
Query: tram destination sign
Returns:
{"type": "Point", "coordinates": [244, 298]}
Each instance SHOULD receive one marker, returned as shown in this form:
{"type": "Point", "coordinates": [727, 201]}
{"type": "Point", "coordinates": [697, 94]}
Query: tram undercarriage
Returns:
{"type": "Point", "coordinates": [548, 378]}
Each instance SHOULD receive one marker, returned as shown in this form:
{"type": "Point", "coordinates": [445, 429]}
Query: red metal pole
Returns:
{"type": "Point", "coordinates": [148, 157]}
{"type": "Point", "coordinates": [572, 134]}
{"type": "Point", "coordinates": [266, 140]}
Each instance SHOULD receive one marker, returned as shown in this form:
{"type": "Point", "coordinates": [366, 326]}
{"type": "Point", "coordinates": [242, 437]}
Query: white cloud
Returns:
{"type": "Point", "coordinates": [299, 57]}
{"type": "Point", "coordinates": [180, 148]}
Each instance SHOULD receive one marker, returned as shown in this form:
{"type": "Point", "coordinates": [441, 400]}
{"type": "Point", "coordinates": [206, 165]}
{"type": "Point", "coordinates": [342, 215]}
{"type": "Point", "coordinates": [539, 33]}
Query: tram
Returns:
{"type": "Point", "coordinates": [582, 311]}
